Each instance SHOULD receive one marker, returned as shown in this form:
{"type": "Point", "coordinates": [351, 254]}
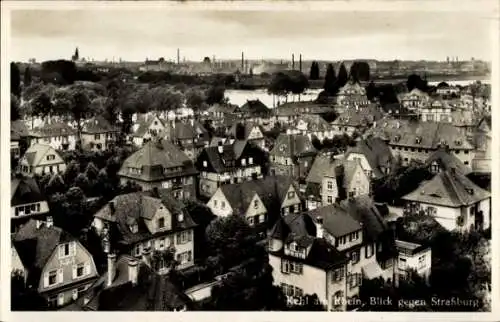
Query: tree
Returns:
{"type": "Point", "coordinates": [371, 91]}
{"type": "Point", "coordinates": [415, 81]}
{"type": "Point", "coordinates": [215, 95]}
{"type": "Point", "coordinates": [55, 185]}
{"type": "Point", "coordinates": [15, 79]}
{"type": "Point", "coordinates": [27, 77]}
{"type": "Point", "coordinates": [342, 76]}
{"type": "Point", "coordinates": [59, 71]}
{"type": "Point", "coordinates": [71, 172]}
{"type": "Point", "coordinates": [194, 99]}
{"type": "Point", "coordinates": [249, 285]}
{"type": "Point", "coordinates": [82, 182]}
{"type": "Point", "coordinates": [80, 111]}
{"type": "Point", "coordinates": [360, 71]}
{"type": "Point", "coordinates": [280, 85]}
{"type": "Point", "coordinates": [63, 102]}
{"type": "Point", "coordinates": [42, 105]}
{"type": "Point", "coordinates": [298, 83]}
{"type": "Point", "coordinates": [314, 72]}
{"type": "Point", "coordinates": [330, 85]}
{"type": "Point", "coordinates": [15, 111]}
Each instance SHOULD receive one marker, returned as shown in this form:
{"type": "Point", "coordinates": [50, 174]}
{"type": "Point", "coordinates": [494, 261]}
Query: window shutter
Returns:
{"type": "Point", "coordinates": [87, 268]}
{"type": "Point", "coordinates": [60, 276]}
{"type": "Point", "coordinates": [46, 279]}
{"type": "Point", "coordinates": [74, 271]}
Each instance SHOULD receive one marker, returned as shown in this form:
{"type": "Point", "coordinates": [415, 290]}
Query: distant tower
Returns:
{"type": "Point", "coordinates": [293, 62]}
{"type": "Point", "coordinates": [76, 56]}
{"type": "Point", "coordinates": [448, 59]}
{"type": "Point", "coordinates": [242, 61]}
{"type": "Point", "coordinates": [300, 63]}
{"type": "Point", "coordinates": [178, 56]}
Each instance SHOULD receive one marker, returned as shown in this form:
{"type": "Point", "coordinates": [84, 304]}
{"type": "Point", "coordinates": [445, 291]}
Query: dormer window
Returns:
{"type": "Point", "coordinates": [243, 162]}
{"type": "Point", "coordinates": [397, 138]}
{"type": "Point", "coordinates": [161, 223]}
{"type": "Point", "coordinates": [470, 191]}
{"type": "Point", "coordinates": [458, 142]}
{"type": "Point", "coordinates": [418, 140]}
{"type": "Point", "coordinates": [256, 204]}
{"type": "Point", "coordinates": [180, 217]}
{"type": "Point", "coordinates": [134, 228]}
{"type": "Point", "coordinates": [51, 157]}
{"type": "Point", "coordinates": [250, 160]}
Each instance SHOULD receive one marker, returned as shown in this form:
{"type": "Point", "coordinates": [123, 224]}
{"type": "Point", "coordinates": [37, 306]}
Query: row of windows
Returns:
{"type": "Point", "coordinates": [400, 148]}
{"type": "Point", "coordinates": [290, 290]}
{"type": "Point", "coordinates": [59, 299]}
{"type": "Point", "coordinates": [288, 267]}
{"type": "Point", "coordinates": [184, 257]}
{"type": "Point", "coordinates": [253, 220]}
{"type": "Point", "coordinates": [344, 239]}
{"type": "Point", "coordinates": [56, 276]}
{"type": "Point", "coordinates": [27, 209]}
{"type": "Point", "coordinates": [181, 238]}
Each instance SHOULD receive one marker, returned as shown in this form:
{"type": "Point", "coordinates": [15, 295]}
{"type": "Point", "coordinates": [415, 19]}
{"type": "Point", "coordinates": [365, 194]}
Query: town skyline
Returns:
{"type": "Point", "coordinates": [431, 36]}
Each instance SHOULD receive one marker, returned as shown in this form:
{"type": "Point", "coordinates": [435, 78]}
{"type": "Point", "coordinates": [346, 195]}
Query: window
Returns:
{"type": "Point", "coordinates": [215, 203]}
{"type": "Point", "coordinates": [250, 160]}
{"type": "Point", "coordinates": [355, 256]}
{"type": "Point", "coordinates": [97, 137]}
{"type": "Point", "coordinates": [137, 250]}
{"type": "Point", "coordinates": [250, 221]}
{"type": "Point", "coordinates": [51, 157]}
{"type": "Point", "coordinates": [291, 194]}
{"type": "Point", "coordinates": [243, 162]}
{"type": "Point", "coordinates": [223, 204]}
{"type": "Point", "coordinates": [52, 277]}
{"type": "Point", "coordinates": [402, 263]}
{"type": "Point", "coordinates": [355, 280]}
{"type": "Point", "coordinates": [329, 199]}
{"type": "Point", "coordinates": [161, 223]}
{"type": "Point", "coordinates": [291, 267]}
{"type": "Point", "coordinates": [205, 164]}
{"type": "Point", "coordinates": [369, 251]}
{"type": "Point", "coordinates": [338, 274]}
{"type": "Point", "coordinates": [262, 218]}
{"type": "Point", "coordinates": [66, 250]}
{"type": "Point", "coordinates": [80, 270]}
{"type": "Point", "coordinates": [290, 290]}
{"type": "Point", "coordinates": [256, 204]}
{"type": "Point", "coordinates": [329, 185]}
{"type": "Point", "coordinates": [421, 261]}
{"type": "Point", "coordinates": [184, 237]}
{"type": "Point", "coordinates": [185, 257]}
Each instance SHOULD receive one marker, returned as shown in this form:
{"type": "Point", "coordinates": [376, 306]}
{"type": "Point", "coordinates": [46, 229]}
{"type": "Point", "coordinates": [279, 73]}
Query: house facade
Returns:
{"type": "Point", "coordinates": [412, 257]}
{"type": "Point", "coordinates": [414, 100]}
{"type": "Point", "coordinates": [144, 223]}
{"type": "Point", "coordinates": [453, 200]}
{"type": "Point", "coordinates": [374, 155]}
{"type": "Point", "coordinates": [230, 163]}
{"type": "Point", "coordinates": [147, 127]}
{"type": "Point", "coordinates": [352, 95]}
{"type": "Point", "coordinates": [249, 132]}
{"type": "Point", "coordinates": [27, 202]}
{"type": "Point", "coordinates": [312, 126]}
{"type": "Point", "coordinates": [436, 110]}
{"type": "Point", "coordinates": [345, 180]}
{"type": "Point", "coordinates": [189, 136]}
{"type": "Point", "coordinates": [98, 134]}
{"type": "Point", "coordinates": [160, 164]}
{"type": "Point", "coordinates": [59, 136]}
{"type": "Point", "coordinates": [41, 159]}
{"type": "Point", "coordinates": [57, 264]}
{"type": "Point", "coordinates": [356, 120]}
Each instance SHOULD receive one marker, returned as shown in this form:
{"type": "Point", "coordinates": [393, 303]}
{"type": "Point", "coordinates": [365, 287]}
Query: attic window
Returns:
{"type": "Point", "coordinates": [418, 140]}
{"type": "Point", "coordinates": [51, 157]}
{"type": "Point", "coordinates": [134, 228]}
{"type": "Point", "coordinates": [458, 142]}
{"type": "Point", "coordinates": [205, 164]}
{"type": "Point", "coordinates": [470, 191]}
{"type": "Point", "coordinates": [396, 138]}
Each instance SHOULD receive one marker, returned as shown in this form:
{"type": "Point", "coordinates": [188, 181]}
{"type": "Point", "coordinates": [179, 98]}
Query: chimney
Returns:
{"type": "Point", "coordinates": [300, 63]}
{"type": "Point", "coordinates": [293, 62]}
{"type": "Point", "coordinates": [242, 62]}
{"type": "Point", "coordinates": [111, 205]}
{"type": "Point", "coordinates": [50, 222]}
{"type": "Point", "coordinates": [319, 227]}
{"type": "Point", "coordinates": [111, 269]}
{"type": "Point", "coordinates": [39, 224]}
{"type": "Point", "coordinates": [145, 256]}
{"type": "Point", "coordinates": [133, 270]}
{"type": "Point", "coordinates": [220, 148]}
{"type": "Point", "coordinates": [178, 56]}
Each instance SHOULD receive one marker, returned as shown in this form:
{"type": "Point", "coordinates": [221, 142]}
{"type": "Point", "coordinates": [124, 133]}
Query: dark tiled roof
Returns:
{"type": "Point", "coordinates": [313, 122]}
{"type": "Point", "coordinates": [364, 116]}
{"type": "Point", "coordinates": [99, 124]}
{"type": "Point", "coordinates": [223, 108]}
{"type": "Point", "coordinates": [53, 129]}
{"type": "Point", "coordinates": [231, 153]}
{"type": "Point", "coordinates": [364, 210]}
{"type": "Point", "coordinates": [271, 190]}
{"type": "Point", "coordinates": [153, 158]}
{"type": "Point", "coordinates": [255, 108]}
{"type": "Point", "coordinates": [336, 220]}
{"type": "Point", "coordinates": [18, 129]}
{"type": "Point", "coordinates": [447, 161]}
{"type": "Point", "coordinates": [36, 245]}
{"type": "Point", "coordinates": [292, 145]}
{"type": "Point", "coordinates": [449, 189]}
{"type": "Point", "coordinates": [247, 128]}
{"type": "Point", "coordinates": [321, 165]}
{"type": "Point", "coordinates": [139, 206]}
{"type": "Point", "coordinates": [377, 153]}
{"type": "Point", "coordinates": [25, 190]}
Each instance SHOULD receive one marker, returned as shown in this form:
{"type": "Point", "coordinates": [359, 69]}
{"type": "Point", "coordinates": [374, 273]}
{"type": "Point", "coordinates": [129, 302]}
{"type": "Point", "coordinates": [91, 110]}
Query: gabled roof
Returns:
{"type": "Point", "coordinates": [25, 190]}
{"type": "Point", "coordinates": [292, 145]}
{"type": "Point", "coordinates": [363, 116]}
{"type": "Point", "coordinates": [376, 151]}
{"type": "Point", "coordinates": [153, 158]}
{"type": "Point", "coordinates": [18, 129]}
{"type": "Point", "coordinates": [99, 124]}
{"type": "Point", "coordinates": [414, 92]}
{"type": "Point", "coordinates": [247, 129]}
{"type": "Point", "coordinates": [53, 129]}
{"type": "Point", "coordinates": [144, 124]}
{"type": "Point", "coordinates": [336, 220]}
{"type": "Point", "coordinates": [135, 208]}
{"type": "Point", "coordinates": [35, 154]}
{"type": "Point", "coordinates": [447, 161]}
{"type": "Point", "coordinates": [231, 153]}
{"type": "Point", "coordinates": [354, 87]}
{"type": "Point", "coordinates": [271, 190]}
{"type": "Point", "coordinates": [255, 108]}
{"type": "Point", "coordinates": [450, 189]}
{"type": "Point", "coordinates": [321, 165]}
{"type": "Point", "coordinates": [36, 245]}
{"type": "Point", "coordinates": [223, 108]}
{"type": "Point", "coordinates": [313, 122]}
{"type": "Point", "coordinates": [364, 210]}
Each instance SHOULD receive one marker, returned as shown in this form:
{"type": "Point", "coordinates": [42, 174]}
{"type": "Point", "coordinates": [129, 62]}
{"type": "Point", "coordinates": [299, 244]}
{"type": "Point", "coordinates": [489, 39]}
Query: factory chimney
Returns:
{"type": "Point", "coordinates": [293, 62]}
{"type": "Point", "coordinates": [178, 56]}
{"type": "Point", "coordinates": [300, 63]}
{"type": "Point", "coordinates": [242, 62]}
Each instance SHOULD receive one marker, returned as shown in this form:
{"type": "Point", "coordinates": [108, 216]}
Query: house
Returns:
{"type": "Point", "coordinates": [220, 111]}
{"type": "Point", "coordinates": [412, 257]}
{"type": "Point", "coordinates": [355, 244]}
{"type": "Point", "coordinates": [161, 164]}
{"type": "Point", "coordinates": [374, 155]}
{"type": "Point", "coordinates": [143, 224]}
{"type": "Point", "coordinates": [292, 155]}
{"type": "Point", "coordinates": [414, 100]}
{"type": "Point", "coordinates": [305, 263]}
{"type": "Point", "coordinates": [291, 111]}
{"type": "Point", "coordinates": [189, 136]}
{"type": "Point", "coordinates": [147, 127]}
{"type": "Point", "coordinates": [229, 163]}
{"type": "Point", "coordinates": [466, 121]}
{"type": "Point", "coordinates": [41, 159]}
{"type": "Point", "coordinates": [18, 132]}
{"type": "Point", "coordinates": [453, 200]}
{"type": "Point", "coordinates": [346, 179]}
{"type": "Point", "coordinates": [321, 165]}
{"type": "Point", "coordinates": [59, 136]}
{"type": "Point", "coordinates": [356, 120]}
{"type": "Point", "coordinates": [437, 110]}
{"type": "Point", "coordinates": [131, 285]}
{"type": "Point", "coordinates": [26, 201]}
{"type": "Point", "coordinates": [443, 160]}
{"type": "Point", "coordinates": [98, 134]}
{"type": "Point", "coordinates": [352, 95]}
{"type": "Point", "coordinates": [416, 140]}
{"type": "Point", "coordinates": [57, 265]}
{"type": "Point", "coordinates": [312, 126]}
{"type": "Point", "coordinates": [249, 132]}
{"type": "Point", "coordinates": [447, 91]}
{"type": "Point", "coordinates": [482, 158]}
{"type": "Point", "coordinates": [259, 201]}
{"type": "Point", "coordinates": [256, 111]}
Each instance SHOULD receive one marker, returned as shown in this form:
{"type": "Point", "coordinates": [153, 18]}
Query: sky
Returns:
{"type": "Point", "coordinates": [135, 35]}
